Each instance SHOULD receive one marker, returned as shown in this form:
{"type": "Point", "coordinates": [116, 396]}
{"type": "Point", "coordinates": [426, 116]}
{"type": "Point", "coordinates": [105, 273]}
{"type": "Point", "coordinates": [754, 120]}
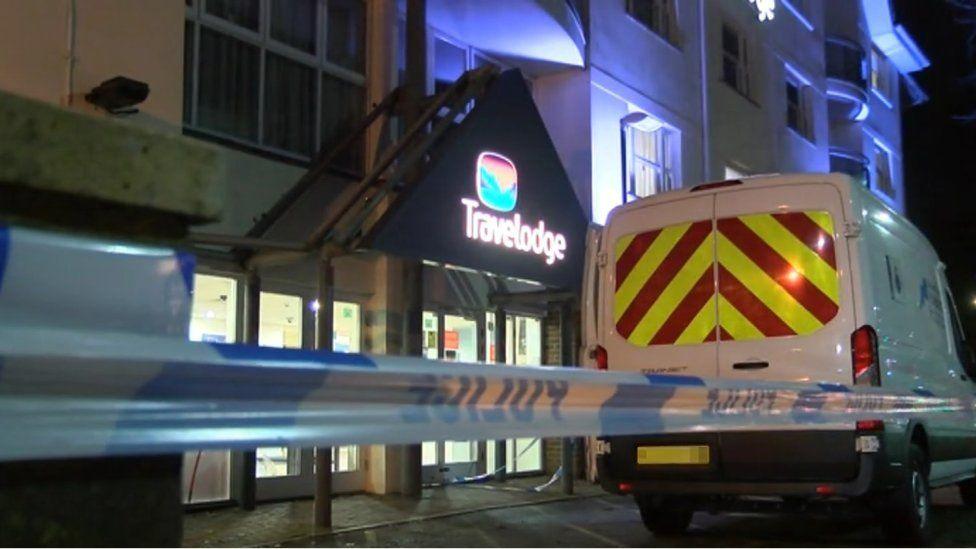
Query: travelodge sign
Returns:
{"type": "Point", "coordinates": [495, 198]}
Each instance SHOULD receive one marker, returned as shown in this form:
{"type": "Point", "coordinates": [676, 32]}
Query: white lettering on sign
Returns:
{"type": "Point", "coordinates": [511, 233]}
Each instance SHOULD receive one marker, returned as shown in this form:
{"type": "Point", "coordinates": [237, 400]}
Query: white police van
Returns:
{"type": "Point", "coordinates": [806, 278]}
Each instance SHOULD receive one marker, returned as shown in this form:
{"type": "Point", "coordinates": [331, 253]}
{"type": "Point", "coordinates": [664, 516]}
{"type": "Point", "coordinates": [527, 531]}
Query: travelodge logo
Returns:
{"type": "Point", "coordinates": [496, 181]}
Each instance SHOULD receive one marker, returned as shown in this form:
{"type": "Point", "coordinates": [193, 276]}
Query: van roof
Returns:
{"type": "Point", "coordinates": [857, 195]}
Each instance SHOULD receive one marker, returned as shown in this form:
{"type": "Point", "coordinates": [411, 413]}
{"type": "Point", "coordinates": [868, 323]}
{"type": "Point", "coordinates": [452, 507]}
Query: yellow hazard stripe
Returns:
{"type": "Point", "coordinates": [675, 291]}
{"type": "Point", "coordinates": [622, 244]}
{"type": "Point", "coordinates": [795, 252]}
{"type": "Point", "coordinates": [645, 267]}
{"type": "Point", "coordinates": [701, 326]}
{"type": "Point", "coordinates": [794, 314]}
{"type": "Point", "coordinates": [823, 219]}
{"type": "Point", "coordinates": [737, 325]}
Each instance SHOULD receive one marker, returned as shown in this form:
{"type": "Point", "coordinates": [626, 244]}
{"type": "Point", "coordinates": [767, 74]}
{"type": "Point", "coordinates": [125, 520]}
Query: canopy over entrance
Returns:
{"type": "Point", "coordinates": [494, 198]}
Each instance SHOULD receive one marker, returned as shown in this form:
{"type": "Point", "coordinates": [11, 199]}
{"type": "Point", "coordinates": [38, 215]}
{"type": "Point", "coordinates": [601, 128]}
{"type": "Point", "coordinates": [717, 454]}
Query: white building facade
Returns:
{"type": "Point", "coordinates": [639, 97]}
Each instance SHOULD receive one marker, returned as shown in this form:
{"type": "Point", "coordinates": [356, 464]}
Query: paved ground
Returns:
{"type": "Point", "coordinates": [610, 521]}
{"type": "Point", "coordinates": [486, 517]}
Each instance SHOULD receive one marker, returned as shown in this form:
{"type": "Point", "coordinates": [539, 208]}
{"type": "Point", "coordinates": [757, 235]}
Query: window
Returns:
{"type": "Point", "coordinates": [346, 338]}
{"type": "Point", "coordinates": [882, 171]}
{"type": "Point", "coordinates": [735, 60]}
{"type": "Point", "coordinates": [213, 319]}
{"type": "Point", "coordinates": [798, 112]}
{"type": "Point", "coordinates": [285, 76]}
{"type": "Point", "coordinates": [650, 160]}
{"type": "Point", "coordinates": [657, 15]}
{"type": "Point", "coordinates": [882, 77]}
{"type": "Point", "coordinates": [798, 295]}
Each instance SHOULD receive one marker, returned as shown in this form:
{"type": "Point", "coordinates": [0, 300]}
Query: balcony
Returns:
{"type": "Point", "coordinates": [851, 163]}
{"type": "Point", "coordinates": [541, 35]}
{"type": "Point", "coordinates": [847, 86]}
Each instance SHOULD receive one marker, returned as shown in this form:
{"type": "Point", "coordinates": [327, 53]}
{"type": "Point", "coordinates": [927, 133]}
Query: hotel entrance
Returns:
{"type": "Point", "coordinates": [452, 338]}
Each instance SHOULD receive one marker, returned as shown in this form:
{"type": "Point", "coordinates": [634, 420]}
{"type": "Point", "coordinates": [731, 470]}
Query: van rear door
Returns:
{"type": "Point", "coordinates": [785, 306]}
{"type": "Point", "coordinates": [657, 290]}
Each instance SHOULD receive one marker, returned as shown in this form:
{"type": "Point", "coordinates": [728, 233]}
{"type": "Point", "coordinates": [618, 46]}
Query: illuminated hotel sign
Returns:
{"type": "Point", "coordinates": [497, 183]}
{"type": "Point", "coordinates": [766, 9]}
{"type": "Point", "coordinates": [494, 197]}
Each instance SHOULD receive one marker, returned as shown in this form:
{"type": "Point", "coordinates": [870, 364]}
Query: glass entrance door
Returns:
{"type": "Point", "coordinates": [523, 347]}
{"type": "Point", "coordinates": [282, 472]}
{"type": "Point", "coordinates": [452, 338]}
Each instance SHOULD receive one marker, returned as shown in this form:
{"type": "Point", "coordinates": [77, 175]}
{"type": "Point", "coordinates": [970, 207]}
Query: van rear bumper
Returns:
{"type": "Point", "coordinates": [756, 463]}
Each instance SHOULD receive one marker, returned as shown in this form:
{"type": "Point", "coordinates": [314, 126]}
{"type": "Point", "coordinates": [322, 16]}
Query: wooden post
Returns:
{"type": "Point", "coordinates": [322, 507]}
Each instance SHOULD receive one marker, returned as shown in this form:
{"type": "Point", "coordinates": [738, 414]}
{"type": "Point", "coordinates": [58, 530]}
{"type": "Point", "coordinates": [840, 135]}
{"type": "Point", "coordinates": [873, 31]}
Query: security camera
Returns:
{"type": "Point", "coordinates": [118, 95]}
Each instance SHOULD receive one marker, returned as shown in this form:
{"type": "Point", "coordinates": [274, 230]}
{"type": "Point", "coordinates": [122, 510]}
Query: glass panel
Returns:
{"type": "Point", "coordinates": [460, 344]}
{"type": "Point", "coordinates": [346, 332]}
{"type": "Point", "coordinates": [346, 34]}
{"type": "Point", "coordinates": [797, 295]}
{"type": "Point", "coordinates": [460, 339]}
{"type": "Point", "coordinates": [523, 342]}
{"type": "Point", "coordinates": [293, 22]}
{"type": "Point", "coordinates": [346, 327]}
{"type": "Point", "coordinates": [280, 321]}
{"type": "Point", "coordinates": [206, 475]}
{"type": "Point", "coordinates": [450, 62]}
{"type": "Point", "coordinates": [289, 105]}
{"type": "Point", "coordinates": [280, 326]}
{"type": "Point", "coordinates": [228, 87]}
{"type": "Point", "coordinates": [213, 317]}
{"type": "Point", "coordinates": [345, 459]}
{"type": "Point", "coordinates": [431, 348]}
{"type": "Point", "coordinates": [460, 451]}
{"type": "Point", "coordinates": [428, 453]}
{"type": "Point", "coordinates": [240, 12]}
{"type": "Point", "coordinates": [342, 108]}
{"type": "Point", "coordinates": [278, 462]}
{"type": "Point", "coordinates": [689, 324]}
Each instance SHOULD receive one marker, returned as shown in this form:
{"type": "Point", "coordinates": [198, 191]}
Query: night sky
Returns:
{"type": "Point", "coordinates": [939, 149]}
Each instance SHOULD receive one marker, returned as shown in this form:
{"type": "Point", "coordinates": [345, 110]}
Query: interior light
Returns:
{"type": "Point", "coordinates": [315, 305]}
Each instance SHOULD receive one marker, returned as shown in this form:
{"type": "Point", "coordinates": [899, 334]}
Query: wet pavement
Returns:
{"type": "Point", "coordinates": [511, 516]}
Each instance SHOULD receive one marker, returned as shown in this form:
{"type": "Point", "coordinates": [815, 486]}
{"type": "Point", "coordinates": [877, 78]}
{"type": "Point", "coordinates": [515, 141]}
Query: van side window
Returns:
{"type": "Point", "coordinates": [958, 338]}
{"type": "Point", "coordinates": [895, 280]}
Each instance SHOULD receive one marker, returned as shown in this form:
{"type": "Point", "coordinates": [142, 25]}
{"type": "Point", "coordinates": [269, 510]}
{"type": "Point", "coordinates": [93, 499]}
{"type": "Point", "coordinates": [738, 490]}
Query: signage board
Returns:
{"type": "Point", "coordinates": [494, 198]}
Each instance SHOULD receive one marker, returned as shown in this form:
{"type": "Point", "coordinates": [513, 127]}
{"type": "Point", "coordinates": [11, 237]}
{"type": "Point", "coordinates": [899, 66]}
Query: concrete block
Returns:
{"type": "Point", "coordinates": [101, 166]}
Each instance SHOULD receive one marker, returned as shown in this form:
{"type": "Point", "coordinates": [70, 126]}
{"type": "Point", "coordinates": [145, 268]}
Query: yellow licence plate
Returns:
{"type": "Point", "coordinates": [672, 455]}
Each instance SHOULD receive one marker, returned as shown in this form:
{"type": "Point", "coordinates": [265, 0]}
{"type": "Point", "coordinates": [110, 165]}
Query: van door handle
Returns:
{"type": "Point", "coordinates": [756, 365]}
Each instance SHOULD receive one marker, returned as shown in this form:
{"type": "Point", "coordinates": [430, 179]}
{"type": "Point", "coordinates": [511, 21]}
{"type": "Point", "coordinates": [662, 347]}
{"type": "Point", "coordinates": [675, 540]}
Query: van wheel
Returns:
{"type": "Point", "coordinates": [967, 491]}
{"type": "Point", "coordinates": [665, 516]}
{"type": "Point", "coordinates": [906, 516]}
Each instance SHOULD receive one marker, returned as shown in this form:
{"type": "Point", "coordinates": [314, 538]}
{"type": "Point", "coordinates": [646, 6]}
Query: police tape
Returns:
{"type": "Point", "coordinates": [65, 392]}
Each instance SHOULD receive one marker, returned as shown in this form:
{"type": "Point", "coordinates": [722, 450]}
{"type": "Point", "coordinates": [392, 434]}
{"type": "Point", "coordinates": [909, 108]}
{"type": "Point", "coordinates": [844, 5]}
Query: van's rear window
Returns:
{"type": "Point", "coordinates": [743, 277]}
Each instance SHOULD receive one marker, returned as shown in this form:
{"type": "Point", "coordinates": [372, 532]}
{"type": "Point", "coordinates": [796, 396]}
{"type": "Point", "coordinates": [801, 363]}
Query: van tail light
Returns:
{"type": "Point", "coordinates": [600, 355]}
{"type": "Point", "coordinates": [864, 356]}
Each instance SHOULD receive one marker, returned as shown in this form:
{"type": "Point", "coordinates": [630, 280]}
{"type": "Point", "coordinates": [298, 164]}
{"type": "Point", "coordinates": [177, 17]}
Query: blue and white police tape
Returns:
{"type": "Point", "coordinates": [67, 392]}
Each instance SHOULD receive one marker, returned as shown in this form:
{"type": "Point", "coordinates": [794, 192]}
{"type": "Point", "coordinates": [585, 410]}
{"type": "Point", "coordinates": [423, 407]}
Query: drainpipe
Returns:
{"type": "Point", "coordinates": [252, 322]}
{"type": "Point", "coordinates": [706, 131]}
{"type": "Point", "coordinates": [413, 280]}
{"type": "Point", "coordinates": [72, 26]}
{"type": "Point", "coordinates": [501, 348]}
{"type": "Point", "coordinates": [322, 506]}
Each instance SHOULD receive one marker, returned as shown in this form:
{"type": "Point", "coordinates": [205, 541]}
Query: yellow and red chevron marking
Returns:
{"type": "Point", "coordinates": [666, 285]}
{"type": "Point", "coordinates": [776, 276]}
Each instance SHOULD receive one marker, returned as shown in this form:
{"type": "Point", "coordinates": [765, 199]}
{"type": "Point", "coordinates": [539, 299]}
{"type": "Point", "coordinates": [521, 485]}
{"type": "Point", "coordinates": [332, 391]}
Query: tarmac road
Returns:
{"type": "Point", "coordinates": [612, 521]}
